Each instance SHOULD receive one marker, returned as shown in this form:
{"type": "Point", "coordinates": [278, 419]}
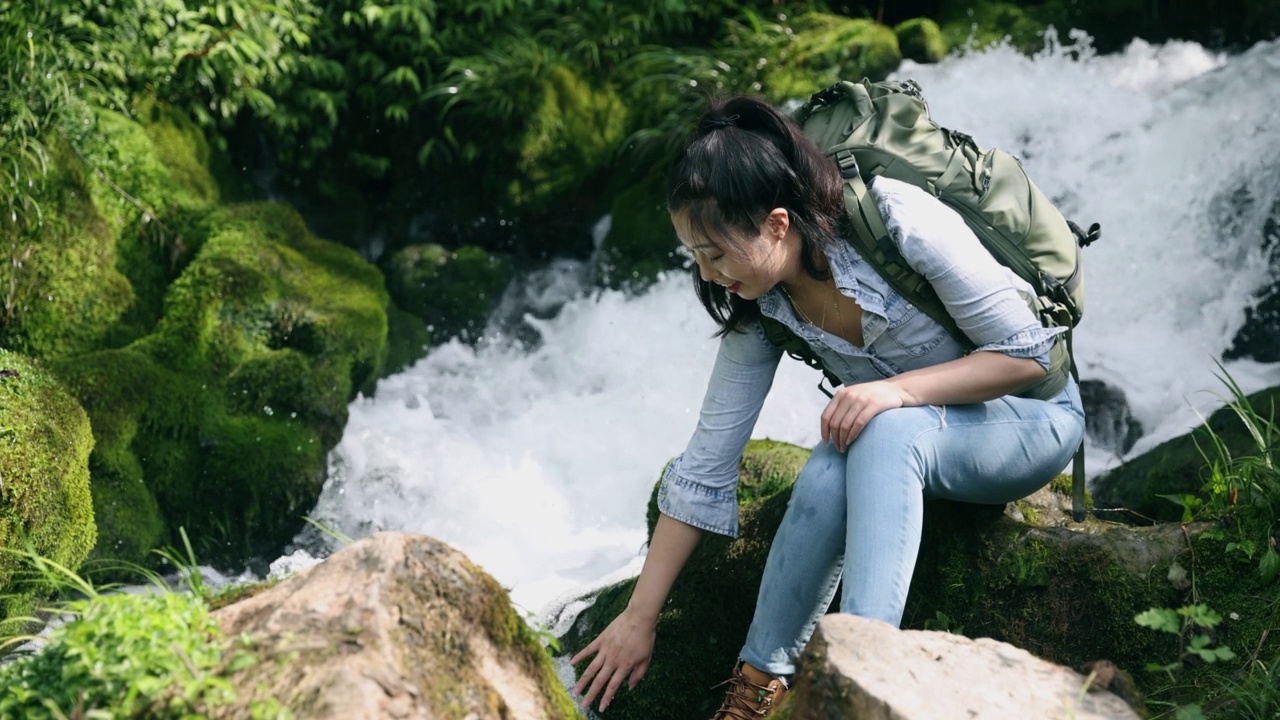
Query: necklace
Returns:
{"type": "Point", "coordinates": [805, 317]}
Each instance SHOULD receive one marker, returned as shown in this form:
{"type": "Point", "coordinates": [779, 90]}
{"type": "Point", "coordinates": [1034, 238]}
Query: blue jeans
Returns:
{"type": "Point", "coordinates": [859, 513]}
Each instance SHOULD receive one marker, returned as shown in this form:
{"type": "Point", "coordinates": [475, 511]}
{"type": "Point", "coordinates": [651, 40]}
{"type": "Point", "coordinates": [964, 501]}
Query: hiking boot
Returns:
{"type": "Point", "coordinates": [752, 694]}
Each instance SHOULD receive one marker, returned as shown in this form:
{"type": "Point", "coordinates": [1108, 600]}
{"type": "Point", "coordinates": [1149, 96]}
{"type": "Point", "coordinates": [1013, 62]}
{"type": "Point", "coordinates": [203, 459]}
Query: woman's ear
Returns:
{"type": "Point", "coordinates": [777, 223]}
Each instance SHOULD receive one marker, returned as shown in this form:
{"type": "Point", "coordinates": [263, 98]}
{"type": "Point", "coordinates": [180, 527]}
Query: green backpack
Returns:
{"type": "Point", "coordinates": [874, 129]}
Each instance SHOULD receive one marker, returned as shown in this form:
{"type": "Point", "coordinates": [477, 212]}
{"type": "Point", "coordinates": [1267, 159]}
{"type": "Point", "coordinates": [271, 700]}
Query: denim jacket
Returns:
{"type": "Point", "coordinates": [699, 487]}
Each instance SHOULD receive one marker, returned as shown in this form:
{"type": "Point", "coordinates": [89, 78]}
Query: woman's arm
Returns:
{"type": "Point", "coordinates": [698, 492]}
{"type": "Point", "coordinates": [623, 650]}
{"type": "Point", "coordinates": [974, 378]}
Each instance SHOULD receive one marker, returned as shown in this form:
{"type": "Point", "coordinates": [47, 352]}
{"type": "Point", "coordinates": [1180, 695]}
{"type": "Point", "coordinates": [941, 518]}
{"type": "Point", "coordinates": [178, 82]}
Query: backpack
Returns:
{"type": "Point", "coordinates": [874, 129]}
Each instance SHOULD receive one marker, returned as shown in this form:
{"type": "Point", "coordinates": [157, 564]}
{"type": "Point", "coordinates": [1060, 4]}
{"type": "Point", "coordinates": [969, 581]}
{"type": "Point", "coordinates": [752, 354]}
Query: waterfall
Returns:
{"type": "Point", "coordinates": [537, 458]}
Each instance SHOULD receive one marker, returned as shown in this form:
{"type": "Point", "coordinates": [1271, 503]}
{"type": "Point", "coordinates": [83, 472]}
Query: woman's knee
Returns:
{"type": "Point", "coordinates": [821, 480]}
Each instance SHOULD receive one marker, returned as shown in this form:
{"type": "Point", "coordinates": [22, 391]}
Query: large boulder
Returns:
{"type": "Point", "coordinates": [866, 669]}
{"type": "Point", "coordinates": [45, 507]}
{"type": "Point", "coordinates": [218, 421]}
{"type": "Point", "coordinates": [1065, 592]}
{"type": "Point", "coordinates": [394, 626]}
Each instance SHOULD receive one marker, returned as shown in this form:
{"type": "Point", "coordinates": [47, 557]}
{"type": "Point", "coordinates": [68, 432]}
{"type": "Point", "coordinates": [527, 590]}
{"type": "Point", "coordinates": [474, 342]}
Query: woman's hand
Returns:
{"type": "Point", "coordinates": [853, 406]}
{"type": "Point", "coordinates": [622, 653]}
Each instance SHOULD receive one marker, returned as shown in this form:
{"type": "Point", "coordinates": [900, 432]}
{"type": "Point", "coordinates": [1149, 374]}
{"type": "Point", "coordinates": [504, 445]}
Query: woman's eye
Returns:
{"type": "Point", "coordinates": [716, 259]}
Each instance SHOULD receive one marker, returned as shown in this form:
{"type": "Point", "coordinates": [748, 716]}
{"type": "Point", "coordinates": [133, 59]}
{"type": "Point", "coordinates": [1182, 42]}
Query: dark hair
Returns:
{"type": "Point", "coordinates": [744, 159]}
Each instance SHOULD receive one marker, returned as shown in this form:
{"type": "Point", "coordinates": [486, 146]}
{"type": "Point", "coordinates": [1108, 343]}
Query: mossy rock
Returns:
{"type": "Point", "coordinates": [641, 243]}
{"type": "Point", "coordinates": [452, 291]}
{"type": "Point", "coordinates": [980, 572]}
{"type": "Point", "coordinates": [219, 421]}
{"type": "Point", "coordinates": [826, 49]}
{"type": "Point", "coordinates": [921, 40]}
{"type": "Point", "coordinates": [68, 292]}
{"type": "Point", "coordinates": [45, 506]}
{"type": "Point", "coordinates": [979, 24]}
{"type": "Point", "coordinates": [571, 133]}
{"type": "Point", "coordinates": [766, 468]}
{"type": "Point", "coordinates": [408, 340]}
{"type": "Point", "coordinates": [1178, 466]}
{"type": "Point", "coordinates": [117, 203]}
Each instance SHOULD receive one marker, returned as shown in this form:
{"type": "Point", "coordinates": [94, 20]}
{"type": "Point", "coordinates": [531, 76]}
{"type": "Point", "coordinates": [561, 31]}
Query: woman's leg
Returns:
{"type": "Point", "coordinates": [868, 505]}
{"type": "Point", "coordinates": [988, 453]}
{"type": "Point", "coordinates": [803, 568]}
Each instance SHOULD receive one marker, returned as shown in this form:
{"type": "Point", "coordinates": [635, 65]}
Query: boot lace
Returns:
{"type": "Point", "coordinates": [744, 700]}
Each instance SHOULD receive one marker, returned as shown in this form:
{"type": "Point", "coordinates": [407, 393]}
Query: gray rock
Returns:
{"type": "Point", "coordinates": [865, 669]}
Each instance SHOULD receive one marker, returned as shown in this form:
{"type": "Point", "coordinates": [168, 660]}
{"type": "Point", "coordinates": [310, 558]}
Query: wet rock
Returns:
{"type": "Point", "coordinates": [1259, 337]}
{"type": "Point", "coordinates": [1109, 422]}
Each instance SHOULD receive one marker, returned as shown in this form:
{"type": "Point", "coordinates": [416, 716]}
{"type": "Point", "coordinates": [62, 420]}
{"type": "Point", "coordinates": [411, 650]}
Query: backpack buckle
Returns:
{"type": "Point", "coordinates": [847, 162]}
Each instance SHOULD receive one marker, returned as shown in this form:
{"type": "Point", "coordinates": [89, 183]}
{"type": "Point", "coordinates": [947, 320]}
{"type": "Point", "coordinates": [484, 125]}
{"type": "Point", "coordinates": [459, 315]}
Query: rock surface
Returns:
{"type": "Point", "coordinates": [393, 626]}
{"type": "Point", "coordinates": [865, 669]}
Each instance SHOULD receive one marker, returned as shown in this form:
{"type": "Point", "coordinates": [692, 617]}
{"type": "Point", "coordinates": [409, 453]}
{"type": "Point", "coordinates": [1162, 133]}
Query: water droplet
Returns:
{"type": "Point", "coordinates": [693, 83]}
{"type": "Point", "coordinates": [293, 415]}
{"type": "Point", "coordinates": [453, 91]}
{"type": "Point", "coordinates": [266, 409]}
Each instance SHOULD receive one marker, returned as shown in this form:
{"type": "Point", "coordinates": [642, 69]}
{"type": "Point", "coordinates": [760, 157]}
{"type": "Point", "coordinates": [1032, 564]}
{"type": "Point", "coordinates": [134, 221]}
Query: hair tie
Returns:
{"type": "Point", "coordinates": [724, 122]}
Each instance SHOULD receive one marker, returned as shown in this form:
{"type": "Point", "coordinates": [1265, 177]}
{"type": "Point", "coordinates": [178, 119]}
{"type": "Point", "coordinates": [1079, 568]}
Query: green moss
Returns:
{"type": "Point", "coordinates": [701, 630]}
{"type": "Point", "coordinates": [408, 340]}
{"type": "Point", "coordinates": [568, 138]}
{"type": "Point", "coordinates": [979, 23]}
{"type": "Point", "coordinates": [766, 467]}
{"type": "Point", "coordinates": [45, 506]}
{"type": "Point", "coordinates": [826, 49]}
{"type": "Point", "coordinates": [641, 242]}
{"type": "Point", "coordinates": [219, 421]}
{"type": "Point", "coordinates": [921, 40]}
{"type": "Point", "coordinates": [70, 292]}
{"type": "Point", "coordinates": [452, 291]}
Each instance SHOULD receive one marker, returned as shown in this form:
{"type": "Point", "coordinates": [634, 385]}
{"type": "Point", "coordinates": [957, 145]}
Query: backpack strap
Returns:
{"type": "Point", "coordinates": [871, 240]}
{"type": "Point", "coordinates": [778, 334]}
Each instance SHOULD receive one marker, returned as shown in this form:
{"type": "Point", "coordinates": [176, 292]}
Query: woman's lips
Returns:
{"type": "Point", "coordinates": [734, 287]}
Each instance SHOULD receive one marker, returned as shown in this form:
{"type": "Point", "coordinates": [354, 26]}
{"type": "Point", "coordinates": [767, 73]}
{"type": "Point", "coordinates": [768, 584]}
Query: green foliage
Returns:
{"type": "Point", "coordinates": [121, 656]}
{"type": "Point", "coordinates": [211, 59]}
{"type": "Point", "coordinates": [154, 653]}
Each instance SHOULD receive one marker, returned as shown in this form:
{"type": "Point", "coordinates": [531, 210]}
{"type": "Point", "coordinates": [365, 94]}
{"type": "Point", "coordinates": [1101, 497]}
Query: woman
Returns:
{"type": "Point", "coordinates": [917, 416]}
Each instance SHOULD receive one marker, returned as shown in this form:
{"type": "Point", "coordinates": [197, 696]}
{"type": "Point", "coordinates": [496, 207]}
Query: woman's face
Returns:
{"type": "Point", "coordinates": [746, 266]}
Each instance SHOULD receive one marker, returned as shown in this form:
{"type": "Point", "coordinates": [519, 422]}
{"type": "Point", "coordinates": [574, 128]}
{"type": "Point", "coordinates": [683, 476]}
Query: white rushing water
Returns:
{"type": "Point", "coordinates": [538, 464]}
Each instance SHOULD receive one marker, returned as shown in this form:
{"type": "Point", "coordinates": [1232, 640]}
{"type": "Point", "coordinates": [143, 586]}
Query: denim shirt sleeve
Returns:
{"type": "Point", "coordinates": [700, 487]}
{"type": "Point", "coordinates": [978, 292]}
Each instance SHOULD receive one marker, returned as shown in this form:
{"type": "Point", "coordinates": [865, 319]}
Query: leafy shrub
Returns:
{"type": "Point", "coordinates": [123, 656]}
